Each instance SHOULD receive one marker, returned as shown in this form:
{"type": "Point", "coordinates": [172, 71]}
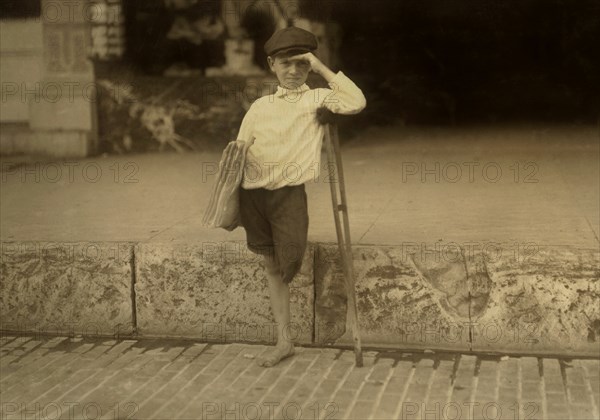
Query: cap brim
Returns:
{"type": "Point", "coordinates": [292, 50]}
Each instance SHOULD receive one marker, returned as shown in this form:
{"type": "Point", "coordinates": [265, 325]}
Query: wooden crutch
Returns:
{"type": "Point", "coordinates": [334, 158]}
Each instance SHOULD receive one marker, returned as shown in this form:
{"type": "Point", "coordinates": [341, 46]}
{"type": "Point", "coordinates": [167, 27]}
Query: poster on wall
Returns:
{"type": "Point", "coordinates": [108, 32]}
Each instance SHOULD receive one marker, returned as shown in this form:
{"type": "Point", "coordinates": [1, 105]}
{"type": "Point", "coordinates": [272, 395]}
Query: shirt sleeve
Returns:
{"type": "Point", "coordinates": [344, 97]}
{"type": "Point", "coordinates": [246, 132]}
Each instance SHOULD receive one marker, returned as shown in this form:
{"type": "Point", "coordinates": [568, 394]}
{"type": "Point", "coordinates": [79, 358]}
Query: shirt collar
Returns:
{"type": "Point", "coordinates": [281, 91]}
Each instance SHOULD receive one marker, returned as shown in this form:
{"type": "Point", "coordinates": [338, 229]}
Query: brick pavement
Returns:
{"type": "Point", "coordinates": [76, 378]}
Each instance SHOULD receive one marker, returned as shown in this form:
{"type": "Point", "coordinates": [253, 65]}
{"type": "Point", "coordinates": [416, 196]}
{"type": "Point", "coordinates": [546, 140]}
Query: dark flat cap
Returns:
{"type": "Point", "coordinates": [291, 38]}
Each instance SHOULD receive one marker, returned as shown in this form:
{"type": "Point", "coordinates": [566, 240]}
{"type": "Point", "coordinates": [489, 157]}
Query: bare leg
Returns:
{"type": "Point", "coordinates": [280, 305]}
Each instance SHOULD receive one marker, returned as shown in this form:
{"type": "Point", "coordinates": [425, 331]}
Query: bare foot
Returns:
{"type": "Point", "coordinates": [276, 355]}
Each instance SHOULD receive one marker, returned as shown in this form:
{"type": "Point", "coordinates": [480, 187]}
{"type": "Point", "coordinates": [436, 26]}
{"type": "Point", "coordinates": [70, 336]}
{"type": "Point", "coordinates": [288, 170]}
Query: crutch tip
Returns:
{"type": "Point", "coordinates": [358, 359]}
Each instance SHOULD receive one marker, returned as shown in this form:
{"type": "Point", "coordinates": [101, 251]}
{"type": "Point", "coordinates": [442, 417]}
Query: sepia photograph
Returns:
{"type": "Point", "coordinates": [300, 209]}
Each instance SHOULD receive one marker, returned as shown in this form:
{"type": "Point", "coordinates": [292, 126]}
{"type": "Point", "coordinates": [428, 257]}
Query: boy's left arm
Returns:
{"type": "Point", "coordinates": [344, 97]}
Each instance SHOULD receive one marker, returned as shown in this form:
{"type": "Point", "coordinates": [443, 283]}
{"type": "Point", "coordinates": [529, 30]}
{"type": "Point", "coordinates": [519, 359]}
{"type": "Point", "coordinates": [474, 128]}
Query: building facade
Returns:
{"type": "Point", "coordinates": [52, 53]}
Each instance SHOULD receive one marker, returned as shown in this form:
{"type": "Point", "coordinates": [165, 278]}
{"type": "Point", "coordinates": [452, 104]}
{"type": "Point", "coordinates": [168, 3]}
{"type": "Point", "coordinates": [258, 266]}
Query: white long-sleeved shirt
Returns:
{"type": "Point", "coordinates": [288, 137]}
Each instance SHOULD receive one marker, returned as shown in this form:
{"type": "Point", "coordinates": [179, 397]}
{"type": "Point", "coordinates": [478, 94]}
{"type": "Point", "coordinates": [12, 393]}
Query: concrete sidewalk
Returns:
{"type": "Point", "coordinates": [465, 239]}
{"type": "Point", "coordinates": [75, 378]}
{"type": "Point", "coordinates": [506, 185]}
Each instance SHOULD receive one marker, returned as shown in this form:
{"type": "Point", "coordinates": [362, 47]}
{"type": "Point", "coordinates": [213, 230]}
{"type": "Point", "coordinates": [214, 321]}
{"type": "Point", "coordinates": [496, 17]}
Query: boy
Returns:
{"type": "Point", "coordinates": [286, 153]}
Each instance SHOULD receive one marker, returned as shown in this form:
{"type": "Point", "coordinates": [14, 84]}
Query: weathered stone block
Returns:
{"type": "Point", "coordinates": [396, 305]}
{"type": "Point", "coordinates": [215, 292]}
{"type": "Point", "coordinates": [539, 301]}
{"type": "Point", "coordinates": [65, 288]}
{"type": "Point", "coordinates": [544, 302]}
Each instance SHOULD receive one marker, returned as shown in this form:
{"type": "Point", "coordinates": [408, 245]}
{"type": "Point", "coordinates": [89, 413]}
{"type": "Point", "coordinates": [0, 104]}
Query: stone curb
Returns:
{"type": "Point", "coordinates": [545, 302]}
{"type": "Point", "coordinates": [542, 303]}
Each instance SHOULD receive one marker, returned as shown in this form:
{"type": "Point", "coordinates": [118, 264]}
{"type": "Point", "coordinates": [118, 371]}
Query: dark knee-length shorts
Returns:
{"type": "Point", "coordinates": [276, 224]}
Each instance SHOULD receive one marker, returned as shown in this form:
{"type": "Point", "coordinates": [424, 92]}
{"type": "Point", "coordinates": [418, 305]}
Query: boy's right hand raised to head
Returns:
{"type": "Point", "coordinates": [316, 65]}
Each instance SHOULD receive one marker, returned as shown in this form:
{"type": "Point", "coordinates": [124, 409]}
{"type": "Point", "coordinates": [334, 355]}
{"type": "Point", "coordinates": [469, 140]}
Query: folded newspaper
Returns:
{"type": "Point", "coordinates": [223, 210]}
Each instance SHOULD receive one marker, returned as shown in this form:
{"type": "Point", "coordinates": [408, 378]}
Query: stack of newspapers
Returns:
{"type": "Point", "coordinates": [223, 210]}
